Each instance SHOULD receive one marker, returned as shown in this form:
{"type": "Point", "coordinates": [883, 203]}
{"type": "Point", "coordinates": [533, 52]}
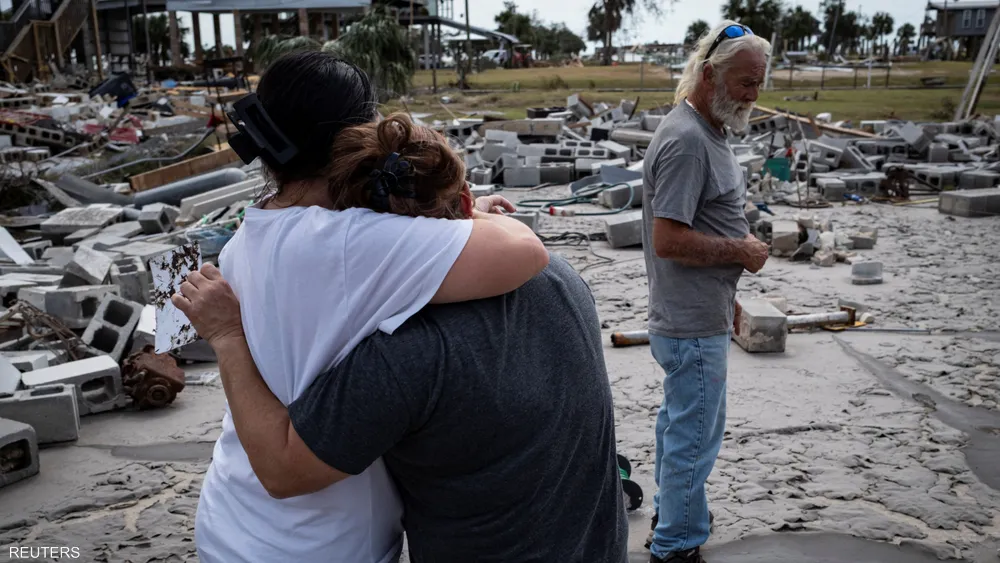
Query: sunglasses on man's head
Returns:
{"type": "Point", "coordinates": [730, 32]}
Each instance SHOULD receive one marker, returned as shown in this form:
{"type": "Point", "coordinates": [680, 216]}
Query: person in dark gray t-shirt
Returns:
{"type": "Point", "coordinates": [495, 418]}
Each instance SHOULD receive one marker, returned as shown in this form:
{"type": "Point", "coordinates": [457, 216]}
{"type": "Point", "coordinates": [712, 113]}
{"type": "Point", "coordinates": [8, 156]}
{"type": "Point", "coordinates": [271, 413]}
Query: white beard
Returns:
{"type": "Point", "coordinates": [730, 112]}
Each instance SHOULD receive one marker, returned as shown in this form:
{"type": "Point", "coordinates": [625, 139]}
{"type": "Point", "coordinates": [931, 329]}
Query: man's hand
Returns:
{"type": "Point", "coordinates": [494, 204]}
{"type": "Point", "coordinates": [756, 254]}
{"type": "Point", "coordinates": [210, 305]}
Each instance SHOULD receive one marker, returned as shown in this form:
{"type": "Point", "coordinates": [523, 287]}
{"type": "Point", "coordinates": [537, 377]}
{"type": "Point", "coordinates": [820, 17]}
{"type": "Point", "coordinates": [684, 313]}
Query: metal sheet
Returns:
{"type": "Point", "coordinates": [173, 329]}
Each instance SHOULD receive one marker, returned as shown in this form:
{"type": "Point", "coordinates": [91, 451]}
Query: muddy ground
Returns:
{"type": "Point", "coordinates": [861, 446]}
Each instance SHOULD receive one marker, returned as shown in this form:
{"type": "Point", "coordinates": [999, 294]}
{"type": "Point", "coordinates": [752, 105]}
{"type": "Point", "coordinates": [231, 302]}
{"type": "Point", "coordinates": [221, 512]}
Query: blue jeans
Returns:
{"type": "Point", "coordinates": [689, 431]}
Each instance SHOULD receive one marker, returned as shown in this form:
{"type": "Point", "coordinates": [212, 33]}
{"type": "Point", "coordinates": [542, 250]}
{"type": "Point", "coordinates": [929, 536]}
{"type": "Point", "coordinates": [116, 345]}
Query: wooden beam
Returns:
{"type": "Point", "coordinates": [175, 40]}
{"type": "Point", "coordinates": [823, 126]}
{"type": "Point", "coordinates": [184, 169]}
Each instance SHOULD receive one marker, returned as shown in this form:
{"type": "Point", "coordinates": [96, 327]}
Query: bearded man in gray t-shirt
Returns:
{"type": "Point", "coordinates": [697, 243]}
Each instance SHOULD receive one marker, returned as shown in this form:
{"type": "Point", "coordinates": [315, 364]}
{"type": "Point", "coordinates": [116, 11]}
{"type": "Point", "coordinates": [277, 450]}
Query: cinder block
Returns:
{"type": "Point", "coordinates": [145, 250]}
{"type": "Point", "coordinates": [477, 191]}
{"type": "Point", "coordinates": [112, 326]}
{"type": "Point", "coordinates": [18, 452]}
{"type": "Point", "coordinates": [784, 236]}
{"type": "Point", "coordinates": [854, 159]}
{"type": "Point", "coordinates": [616, 163]}
{"type": "Point", "coordinates": [616, 150]}
{"type": "Point", "coordinates": [522, 176]}
{"type": "Point", "coordinates": [158, 218]}
{"type": "Point", "coordinates": [618, 196]}
{"type": "Point", "coordinates": [58, 256]}
{"type": "Point", "coordinates": [864, 184]}
{"type": "Point", "coordinates": [539, 149]}
{"type": "Point", "coordinates": [556, 172]}
{"type": "Point", "coordinates": [865, 239]}
{"type": "Point", "coordinates": [832, 189]}
{"type": "Point", "coordinates": [74, 306]}
{"type": "Point", "coordinates": [133, 278]}
{"type": "Point", "coordinates": [195, 206]}
{"type": "Point", "coordinates": [50, 409]}
{"type": "Point", "coordinates": [529, 218]}
{"type": "Point", "coordinates": [98, 383]}
{"type": "Point", "coordinates": [970, 203]}
{"type": "Point", "coordinates": [28, 360]}
{"type": "Point", "coordinates": [88, 267]}
{"type": "Point", "coordinates": [481, 175]}
{"type": "Point", "coordinates": [866, 273]}
{"type": "Point", "coordinates": [978, 179]}
{"type": "Point", "coordinates": [763, 328]}
{"type": "Point", "coordinates": [938, 153]}
{"type": "Point", "coordinates": [10, 377]}
{"type": "Point", "coordinates": [493, 151]}
{"type": "Point", "coordinates": [585, 166]}
{"type": "Point", "coordinates": [36, 249]}
{"type": "Point", "coordinates": [624, 229]}
{"type": "Point", "coordinates": [70, 220]}
{"type": "Point", "coordinates": [826, 154]}
{"type": "Point", "coordinates": [124, 229]}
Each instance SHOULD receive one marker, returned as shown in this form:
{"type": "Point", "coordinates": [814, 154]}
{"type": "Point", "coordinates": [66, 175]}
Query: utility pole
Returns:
{"type": "Point", "coordinates": [468, 47]}
{"type": "Point", "coordinates": [833, 30]}
{"type": "Point", "coordinates": [149, 46]}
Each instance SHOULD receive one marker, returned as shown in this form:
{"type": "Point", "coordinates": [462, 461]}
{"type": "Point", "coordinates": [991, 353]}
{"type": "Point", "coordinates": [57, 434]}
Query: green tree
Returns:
{"type": "Point", "coordinates": [849, 27]}
{"type": "Point", "coordinates": [605, 18]}
{"type": "Point", "coordinates": [904, 37]}
{"type": "Point", "coordinates": [273, 46]}
{"type": "Point", "coordinates": [799, 27]}
{"type": "Point", "coordinates": [380, 47]}
{"type": "Point", "coordinates": [695, 31]}
{"type": "Point", "coordinates": [512, 22]}
{"type": "Point", "coordinates": [883, 25]}
{"type": "Point", "coordinates": [762, 16]}
{"type": "Point", "coordinates": [159, 36]}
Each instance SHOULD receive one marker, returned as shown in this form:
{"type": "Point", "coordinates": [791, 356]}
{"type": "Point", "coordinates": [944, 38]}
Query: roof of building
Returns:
{"type": "Point", "coordinates": [962, 4]}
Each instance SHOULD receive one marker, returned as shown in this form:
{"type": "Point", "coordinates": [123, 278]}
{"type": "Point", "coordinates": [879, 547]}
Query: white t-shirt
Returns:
{"type": "Point", "coordinates": [313, 283]}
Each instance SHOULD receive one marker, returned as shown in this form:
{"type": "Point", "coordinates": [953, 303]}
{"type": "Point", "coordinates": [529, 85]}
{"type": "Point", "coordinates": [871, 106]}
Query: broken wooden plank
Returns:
{"type": "Point", "coordinates": [183, 169]}
{"type": "Point", "coordinates": [824, 126]}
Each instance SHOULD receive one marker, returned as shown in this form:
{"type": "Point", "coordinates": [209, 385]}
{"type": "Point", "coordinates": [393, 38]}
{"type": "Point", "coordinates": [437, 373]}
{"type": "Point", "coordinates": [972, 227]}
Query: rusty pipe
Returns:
{"type": "Point", "coordinates": [631, 338]}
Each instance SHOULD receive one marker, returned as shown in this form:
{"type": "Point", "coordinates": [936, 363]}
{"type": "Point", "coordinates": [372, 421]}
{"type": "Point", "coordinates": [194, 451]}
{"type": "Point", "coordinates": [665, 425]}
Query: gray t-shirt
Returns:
{"type": "Point", "coordinates": [495, 418]}
{"type": "Point", "coordinates": [692, 176]}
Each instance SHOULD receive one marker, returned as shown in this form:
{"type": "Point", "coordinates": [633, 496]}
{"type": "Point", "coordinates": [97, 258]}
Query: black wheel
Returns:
{"type": "Point", "coordinates": [633, 494]}
{"type": "Point", "coordinates": [624, 465]}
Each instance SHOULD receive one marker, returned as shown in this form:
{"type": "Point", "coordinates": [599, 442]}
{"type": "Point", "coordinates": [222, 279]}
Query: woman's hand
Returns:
{"type": "Point", "coordinates": [494, 204]}
{"type": "Point", "coordinates": [211, 306]}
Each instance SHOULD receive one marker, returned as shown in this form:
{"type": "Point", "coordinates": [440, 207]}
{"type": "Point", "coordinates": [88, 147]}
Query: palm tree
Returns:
{"type": "Point", "coordinates": [904, 37]}
{"type": "Point", "coordinates": [379, 46]}
{"type": "Point", "coordinates": [799, 26]}
{"type": "Point", "coordinates": [159, 36]}
{"type": "Point", "coordinates": [762, 16]}
{"type": "Point", "coordinates": [271, 47]}
{"type": "Point", "coordinates": [882, 25]}
{"type": "Point", "coordinates": [695, 31]}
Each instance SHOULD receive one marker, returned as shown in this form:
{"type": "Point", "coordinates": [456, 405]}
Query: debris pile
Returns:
{"type": "Point", "coordinates": [597, 150]}
{"type": "Point", "coordinates": [78, 291]}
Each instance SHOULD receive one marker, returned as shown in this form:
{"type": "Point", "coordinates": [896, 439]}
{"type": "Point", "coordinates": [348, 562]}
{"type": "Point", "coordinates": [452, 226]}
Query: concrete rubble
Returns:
{"type": "Point", "coordinates": [83, 216]}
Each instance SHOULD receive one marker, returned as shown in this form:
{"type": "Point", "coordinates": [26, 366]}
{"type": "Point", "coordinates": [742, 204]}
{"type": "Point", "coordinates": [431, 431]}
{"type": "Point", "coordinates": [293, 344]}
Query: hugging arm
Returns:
{"type": "Point", "coordinates": [501, 255]}
{"type": "Point", "coordinates": [282, 462]}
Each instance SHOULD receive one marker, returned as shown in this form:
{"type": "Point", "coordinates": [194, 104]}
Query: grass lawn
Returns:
{"type": "Point", "coordinates": [634, 76]}
{"type": "Point", "coordinates": [853, 105]}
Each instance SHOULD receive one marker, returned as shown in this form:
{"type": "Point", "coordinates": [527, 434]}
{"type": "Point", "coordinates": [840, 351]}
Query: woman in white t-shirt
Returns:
{"type": "Point", "coordinates": [365, 226]}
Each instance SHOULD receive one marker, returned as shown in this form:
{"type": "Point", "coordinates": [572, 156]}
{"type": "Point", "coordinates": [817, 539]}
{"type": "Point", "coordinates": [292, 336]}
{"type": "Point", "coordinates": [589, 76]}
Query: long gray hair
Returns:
{"type": "Point", "coordinates": [721, 58]}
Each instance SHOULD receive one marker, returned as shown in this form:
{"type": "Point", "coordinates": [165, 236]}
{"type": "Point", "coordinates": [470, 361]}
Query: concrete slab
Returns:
{"type": "Point", "coordinates": [51, 410]}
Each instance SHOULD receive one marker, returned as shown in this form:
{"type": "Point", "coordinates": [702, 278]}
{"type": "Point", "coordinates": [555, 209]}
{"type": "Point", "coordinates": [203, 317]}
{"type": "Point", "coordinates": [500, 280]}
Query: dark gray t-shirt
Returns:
{"type": "Point", "coordinates": [692, 176]}
{"type": "Point", "coordinates": [495, 418]}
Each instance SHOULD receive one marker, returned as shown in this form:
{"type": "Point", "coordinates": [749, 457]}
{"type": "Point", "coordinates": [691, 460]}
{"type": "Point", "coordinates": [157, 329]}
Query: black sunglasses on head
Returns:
{"type": "Point", "coordinates": [730, 32]}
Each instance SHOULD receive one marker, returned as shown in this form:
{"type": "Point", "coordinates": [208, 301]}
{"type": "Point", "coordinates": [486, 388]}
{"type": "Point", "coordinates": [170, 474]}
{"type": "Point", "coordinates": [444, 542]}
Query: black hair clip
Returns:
{"type": "Point", "coordinates": [258, 135]}
{"type": "Point", "coordinates": [394, 178]}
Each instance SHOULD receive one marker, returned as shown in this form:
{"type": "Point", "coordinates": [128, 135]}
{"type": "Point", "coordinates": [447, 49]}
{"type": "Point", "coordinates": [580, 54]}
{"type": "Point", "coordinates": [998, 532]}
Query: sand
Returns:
{"type": "Point", "coordinates": [854, 446]}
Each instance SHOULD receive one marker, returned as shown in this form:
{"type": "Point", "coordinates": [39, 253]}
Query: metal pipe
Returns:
{"type": "Point", "coordinates": [818, 319]}
{"type": "Point", "coordinates": [632, 137]}
{"type": "Point", "coordinates": [173, 193]}
{"type": "Point", "coordinates": [631, 338]}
